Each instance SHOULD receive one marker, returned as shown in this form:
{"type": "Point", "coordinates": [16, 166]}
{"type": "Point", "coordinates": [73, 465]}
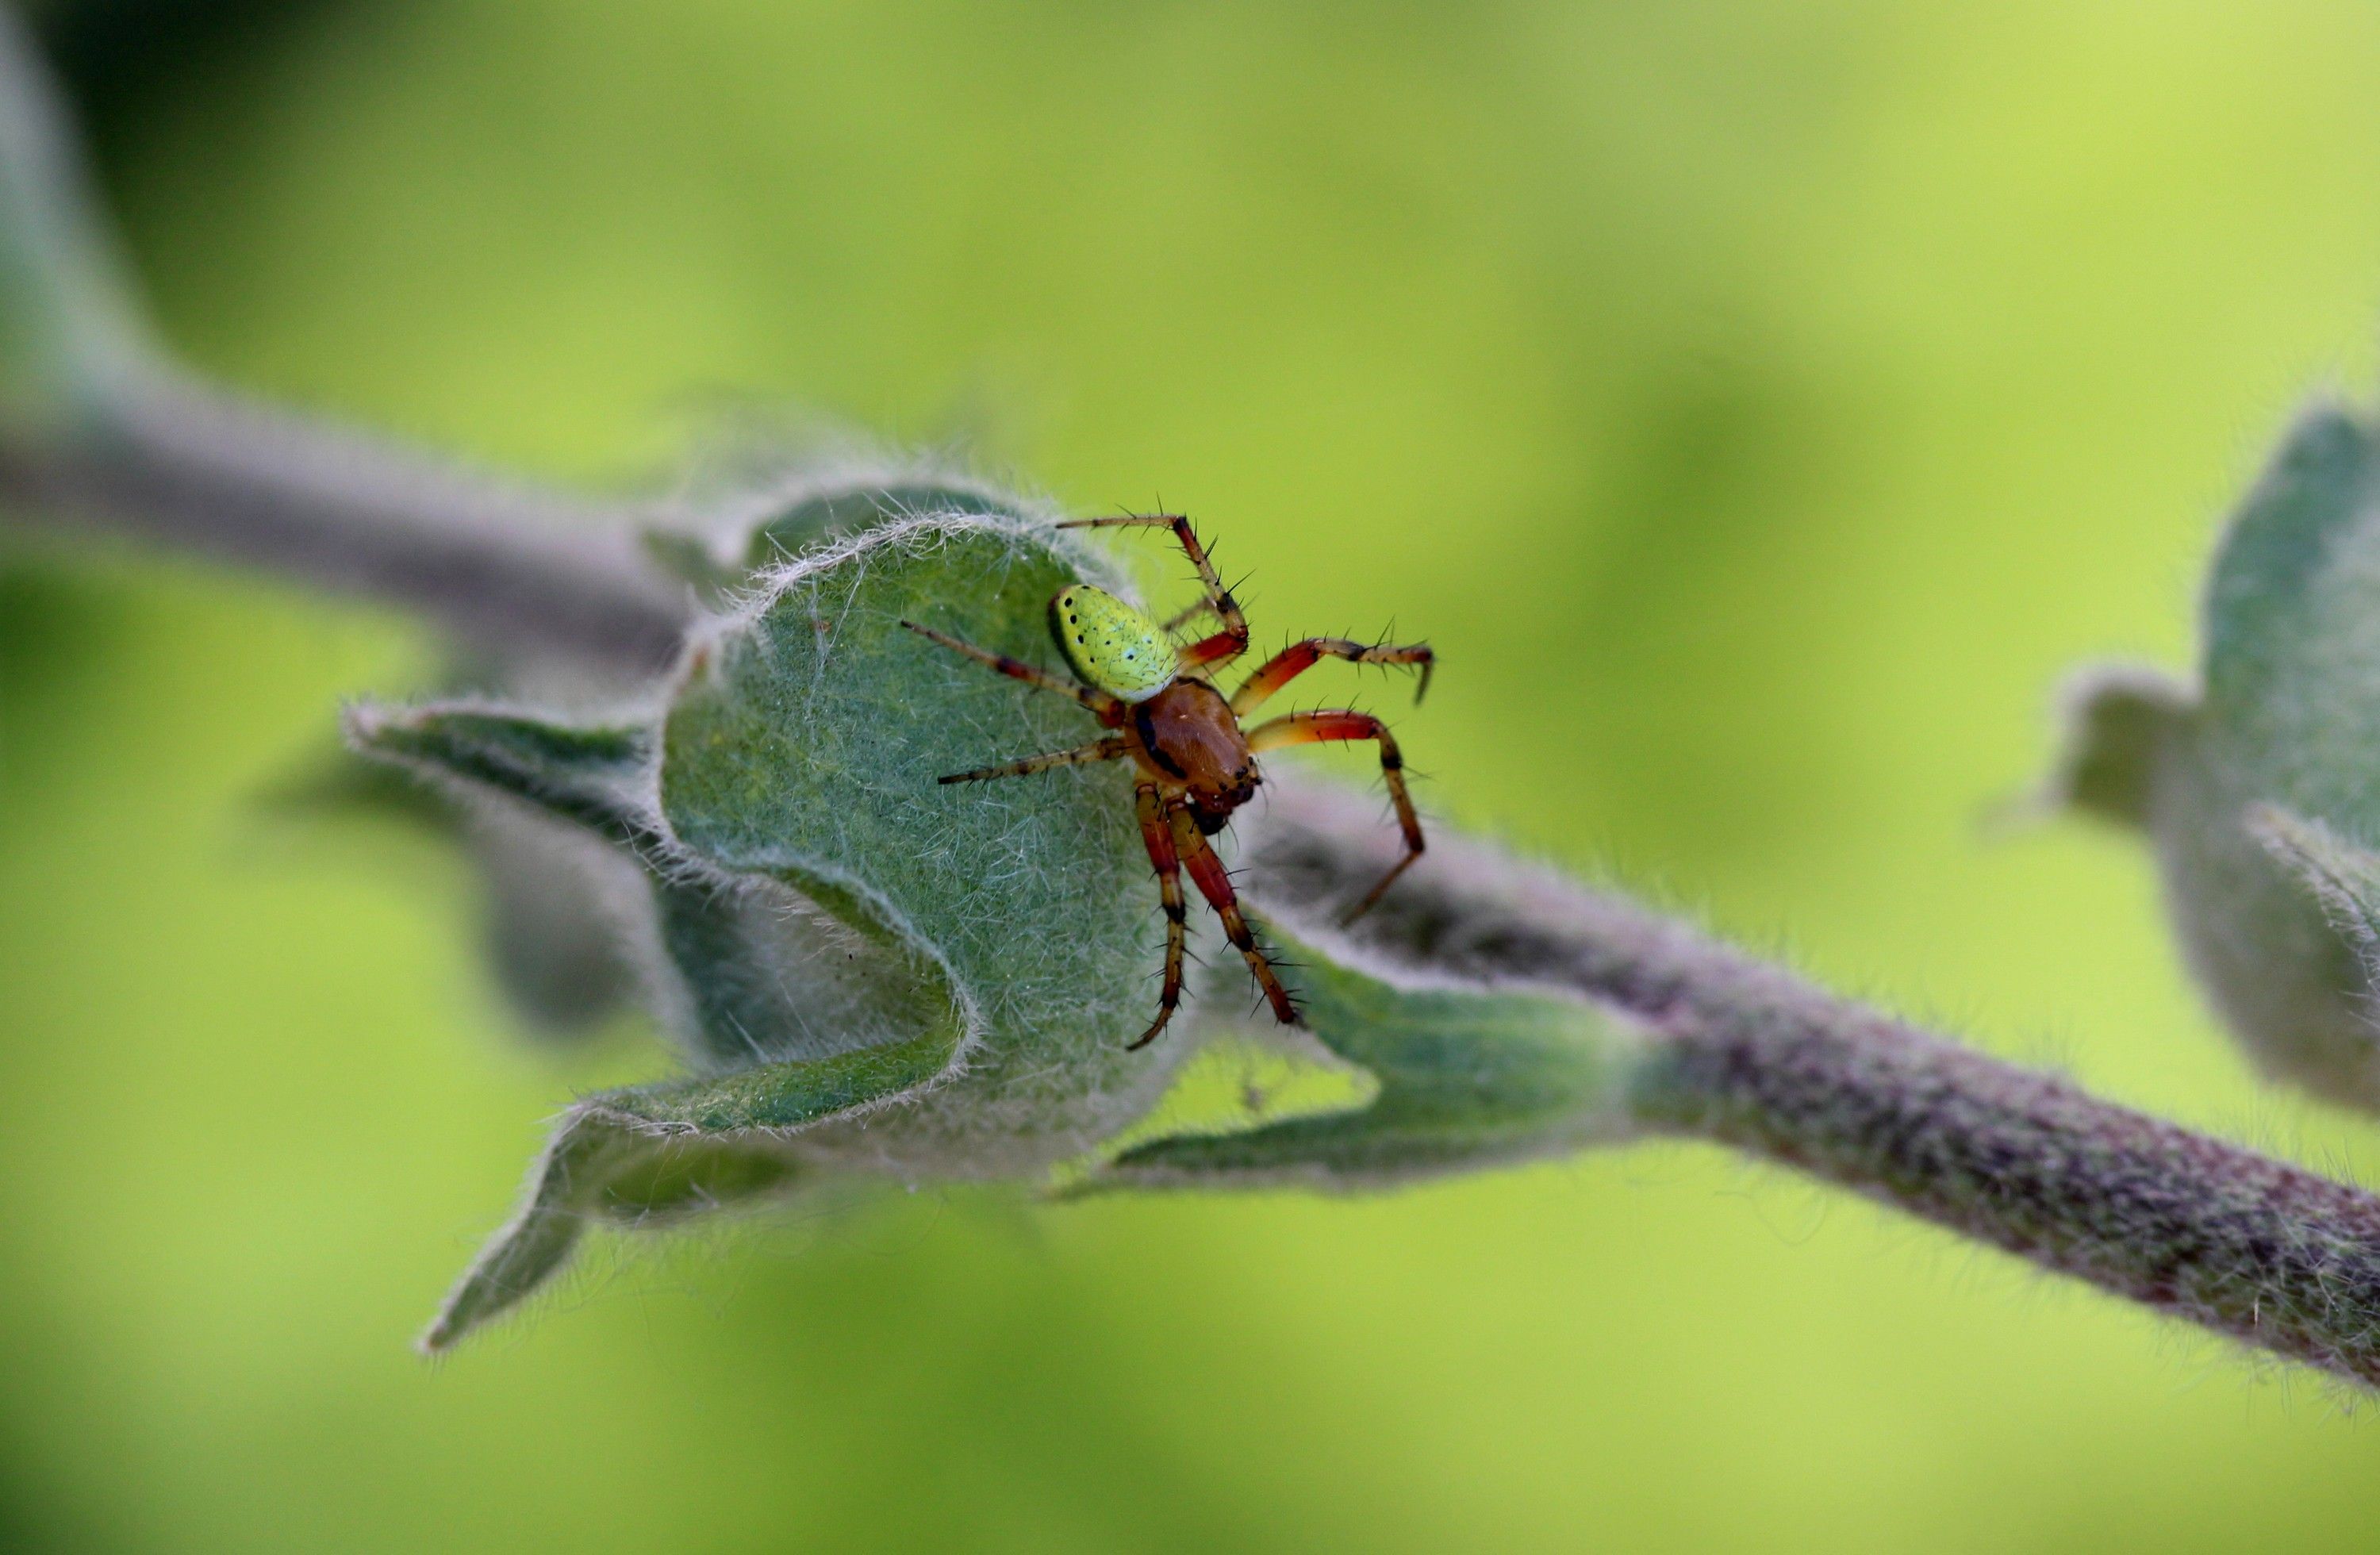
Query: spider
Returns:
{"type": "Point", "coordinates": [1197, 760]}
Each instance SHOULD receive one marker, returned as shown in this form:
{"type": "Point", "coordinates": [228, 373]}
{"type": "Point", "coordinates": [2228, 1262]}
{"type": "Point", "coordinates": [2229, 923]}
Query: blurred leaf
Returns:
{"type": "Point", "coordinates": [2343, 878]}
{"type": "Point", "coordinates": [552, 940]}
{"type": "Point", "coordinates": [2260, 791]}
{"type": "Point", "coordinates": [552, 943]}
{"type": "Point", "coordinates": [2122, 724]}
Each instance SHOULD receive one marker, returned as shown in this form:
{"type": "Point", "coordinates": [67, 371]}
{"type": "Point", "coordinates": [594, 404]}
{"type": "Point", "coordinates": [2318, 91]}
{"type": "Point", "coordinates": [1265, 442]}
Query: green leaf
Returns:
{"type": "Point", "coordinates": [1468, 1077]}
{"type": "Point", "coordinates": [806, 744]}
{"type": "Point", "coordinates": [2250, 788]}
{"type": "Point", "coordinates": [2290, 575]}
{"type": "Point", "coordinates": [598, 777]}
{"type": "Point", "coordinates": [817, 510]}
{"type": "Point", "coordinates": [2342, 877]}
{"type": "Point", "coordinates": [2124, 724]}
{"type": "Point", "coordinates": [610, 1165]}
{"type": "Point", "coordinates": [872, 971]}
{"type": "Point", "coordinates": [798, 1030]}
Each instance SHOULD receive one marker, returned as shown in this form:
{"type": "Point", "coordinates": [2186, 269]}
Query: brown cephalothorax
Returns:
{"type": "Point", "coordinates": [1197, 760]}
{"type": "Point", "coordinates": [1187, 734]}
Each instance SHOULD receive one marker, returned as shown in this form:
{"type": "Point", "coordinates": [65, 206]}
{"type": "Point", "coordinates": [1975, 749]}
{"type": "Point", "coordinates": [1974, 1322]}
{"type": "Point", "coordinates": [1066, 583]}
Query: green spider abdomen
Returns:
{"type": "Point", "coordinates": [1111, 645]}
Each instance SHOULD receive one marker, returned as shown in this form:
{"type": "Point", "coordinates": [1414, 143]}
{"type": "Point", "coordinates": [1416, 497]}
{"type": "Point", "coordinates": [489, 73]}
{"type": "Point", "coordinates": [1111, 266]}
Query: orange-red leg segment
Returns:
{"type": "Point", "coordinates": [1225, 644]}
{"type": "Point", "coordinates": [1207, 874]}
{"type": "Point", "coordinates": [1157, 833]}
{"type": "Point", "coordinates": [1300, 657]}
{"type": "Point", "coordinates": [1315, 728]}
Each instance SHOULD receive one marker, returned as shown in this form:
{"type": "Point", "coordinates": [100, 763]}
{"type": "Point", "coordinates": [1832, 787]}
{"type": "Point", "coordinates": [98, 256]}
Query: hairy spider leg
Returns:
{"type": "Point", "coordinates": [1207, 874]}
{"type": "Point", "coordinates": [1156, 831]}
{"type": "Point", "coordinates": [1225, 644]}
{"type": "Point", "coordinates": [1189, 613]}
{"type": "Point", "coordinates": [1314, 728]}
{"type": "Point", "coordinates": [1300, 657]}
{"type": "Point", "coordinates": [1099, 702]}
{"type": "Point", "coordinates": [1106, 749]}
{"type": "Point", "coordinates": [1186, 614]}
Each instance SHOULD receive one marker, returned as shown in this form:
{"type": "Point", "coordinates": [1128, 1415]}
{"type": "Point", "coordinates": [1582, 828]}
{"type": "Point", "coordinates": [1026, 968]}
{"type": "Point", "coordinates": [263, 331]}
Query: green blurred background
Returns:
{"type": "Point", "coordinates": [1760, 405]}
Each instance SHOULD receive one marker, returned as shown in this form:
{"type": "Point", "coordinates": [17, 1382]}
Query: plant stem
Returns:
{"type": "Point", "coordinates": [1756, 1059]}
{"type": "Point", "coordinates": [506, 567]}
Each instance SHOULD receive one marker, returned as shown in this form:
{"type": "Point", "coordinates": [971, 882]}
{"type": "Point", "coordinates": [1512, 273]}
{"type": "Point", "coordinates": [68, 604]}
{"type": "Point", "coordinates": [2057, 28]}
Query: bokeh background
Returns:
{"type": "Point", "coordinates": [1760, 405]}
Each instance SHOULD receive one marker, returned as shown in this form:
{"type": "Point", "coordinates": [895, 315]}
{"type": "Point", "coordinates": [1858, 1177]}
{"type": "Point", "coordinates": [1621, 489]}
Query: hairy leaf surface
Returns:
{"type": "Point", "coordinates": [1468, 1077]}
{"type": "Point", "coordinates": [870, 970]}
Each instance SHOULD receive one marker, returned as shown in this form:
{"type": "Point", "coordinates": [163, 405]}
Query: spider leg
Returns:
{"type": "Point", "coordinates": [1098, 701]}
{"type": "Point", "coordinates": [1182, 617]}
{"type": "Point", "coordinates": [1207, 874]}
{"type": "Point", "coordinates": [1106, 749]}
{"type": "Point", "coordinates": [1157, 833]}
{"type": "Point", "coordinates": [1300, 657]}
{"type": "Point", "coordinates": [1314, 728]}
{"type": "Point", "coordinates": [1225, 644]}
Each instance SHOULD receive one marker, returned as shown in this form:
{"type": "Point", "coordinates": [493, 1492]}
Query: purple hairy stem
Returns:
{"type": "Point", "coordinates": [1754, 1058]}
{"type": "Point", "coordinates": [499, 566]}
